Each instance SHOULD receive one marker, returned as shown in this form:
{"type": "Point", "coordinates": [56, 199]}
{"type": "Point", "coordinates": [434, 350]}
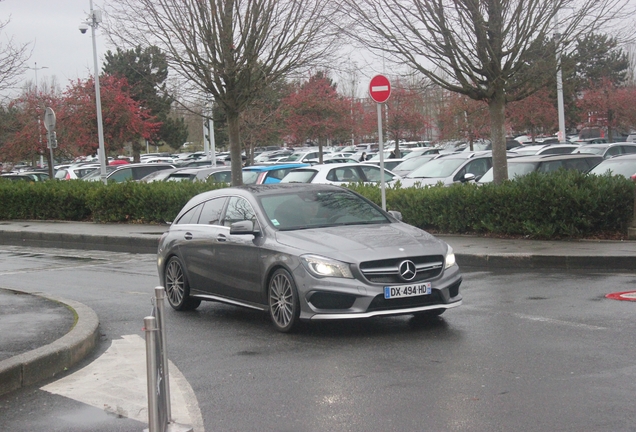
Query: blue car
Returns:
{"type": "Point", "coordinates": [268, 174]}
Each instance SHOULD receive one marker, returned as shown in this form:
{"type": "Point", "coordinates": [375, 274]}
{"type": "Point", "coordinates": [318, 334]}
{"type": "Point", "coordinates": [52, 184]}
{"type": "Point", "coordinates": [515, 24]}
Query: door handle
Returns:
{"type": "Point", "coordinates": [221, 238]}
{"type": "Point", "coordinates": [188, 236]}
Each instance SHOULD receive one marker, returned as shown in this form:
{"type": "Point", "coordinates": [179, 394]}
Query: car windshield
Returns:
{"type": "Point", "coordinates": [437, 168]}
{"type": "Point", "coordinates": [625, 167]}
{"type": "Point", "coordinates": [294, 157]}
{"type": "Point", "coordinates": [96, 174]}
{"type": "Point", "coordinates": [411, 164]}
{"type": "Point", "coordinates": [319, 208]}
{"type": "Point", "coordinates": [591, 149]}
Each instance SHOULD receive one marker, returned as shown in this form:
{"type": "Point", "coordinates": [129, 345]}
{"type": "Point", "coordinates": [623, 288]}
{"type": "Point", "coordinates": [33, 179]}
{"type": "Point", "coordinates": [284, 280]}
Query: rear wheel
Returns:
{"type": "Point", "coordinates": [177, 287]}
{"type": "Point", "coordinates": [284, 307]}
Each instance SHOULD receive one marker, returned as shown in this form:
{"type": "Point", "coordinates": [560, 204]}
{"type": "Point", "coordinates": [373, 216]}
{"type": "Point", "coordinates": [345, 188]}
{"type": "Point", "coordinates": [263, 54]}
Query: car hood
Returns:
{"type": "Point", "coordinates": [358, 243]}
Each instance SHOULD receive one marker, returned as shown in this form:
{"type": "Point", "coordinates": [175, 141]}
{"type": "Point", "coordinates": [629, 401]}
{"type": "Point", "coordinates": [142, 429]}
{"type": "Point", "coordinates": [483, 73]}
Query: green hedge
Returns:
{"type": "Point", "coordinates": [565, 204]}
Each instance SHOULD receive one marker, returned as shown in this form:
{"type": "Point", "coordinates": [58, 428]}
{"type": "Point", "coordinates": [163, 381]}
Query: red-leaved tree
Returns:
{"type": "Point", "coordinates": [124, 120]}
{"type": "Point", "coordinates": [465, 118]}
{"type": "Point", "coordinates": [315, 111]}
{"type": "Point", "coordinates": [406, 118]}
{"type": "Point", "coordinates": [535, 115]}
{"type": "Point", "coordinates": [609, 107]}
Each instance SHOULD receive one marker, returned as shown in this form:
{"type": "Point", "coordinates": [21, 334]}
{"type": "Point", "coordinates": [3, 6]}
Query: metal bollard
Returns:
{"type": "Point", "coordinates": [160, 295]}
{"type": "Point", "coordinates": [150, 327]}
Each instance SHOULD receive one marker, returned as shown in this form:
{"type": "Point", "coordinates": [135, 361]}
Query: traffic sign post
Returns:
{"type": "Point", "coordinates": [49, 124]}
{"type": "Point", "coordinates": [380, 90]}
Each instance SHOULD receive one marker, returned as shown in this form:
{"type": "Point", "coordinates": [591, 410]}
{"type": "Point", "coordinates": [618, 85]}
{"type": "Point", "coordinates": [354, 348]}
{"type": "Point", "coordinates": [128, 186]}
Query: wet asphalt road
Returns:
{"type": "Point", "coordinates": [531, 351]}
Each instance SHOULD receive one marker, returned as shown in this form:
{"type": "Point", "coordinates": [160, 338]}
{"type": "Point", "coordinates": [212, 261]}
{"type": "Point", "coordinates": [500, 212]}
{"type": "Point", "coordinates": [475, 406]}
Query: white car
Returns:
{"type": "Point", "coordinates": [340, 174]}
{"type": "Point", "coordinates": [451, 168]}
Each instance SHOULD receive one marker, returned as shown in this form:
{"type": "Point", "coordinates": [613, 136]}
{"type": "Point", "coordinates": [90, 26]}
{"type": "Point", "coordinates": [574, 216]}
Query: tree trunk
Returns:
{"type": "Point", "coordinates": [497, 108]}
{"type": "Point", "coordinates": [235, 148]}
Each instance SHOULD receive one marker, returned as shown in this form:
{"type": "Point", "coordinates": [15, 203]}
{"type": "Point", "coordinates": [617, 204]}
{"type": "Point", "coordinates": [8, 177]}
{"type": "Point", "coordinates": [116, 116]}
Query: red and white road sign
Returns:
{"type": "Point", "coordinates": [380, 88]}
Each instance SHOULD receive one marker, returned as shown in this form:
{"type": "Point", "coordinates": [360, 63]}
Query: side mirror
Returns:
{"type": "Point", "coordinates": [396, 214]}
{"type": "Point", "coordinates": [468, 177]}
{"type": "Point", "coordinates": [244, 227]}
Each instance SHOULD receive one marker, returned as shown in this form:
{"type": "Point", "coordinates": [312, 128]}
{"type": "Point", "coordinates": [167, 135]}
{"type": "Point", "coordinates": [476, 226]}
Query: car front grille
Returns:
{"type": "Point", "coordinates": [387, 271]}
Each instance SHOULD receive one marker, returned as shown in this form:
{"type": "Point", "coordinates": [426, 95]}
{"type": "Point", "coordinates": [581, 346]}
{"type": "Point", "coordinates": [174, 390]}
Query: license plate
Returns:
{"type": "Point", "coordinates": [391, 292]}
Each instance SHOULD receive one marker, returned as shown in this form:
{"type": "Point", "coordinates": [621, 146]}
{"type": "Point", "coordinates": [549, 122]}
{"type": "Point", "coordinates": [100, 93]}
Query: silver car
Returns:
{"type": "Point", "coordinates": [304, 252]}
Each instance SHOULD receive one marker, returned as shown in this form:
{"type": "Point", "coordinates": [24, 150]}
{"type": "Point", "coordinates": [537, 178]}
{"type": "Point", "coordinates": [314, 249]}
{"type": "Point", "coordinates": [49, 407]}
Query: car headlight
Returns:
{"type": "Point", "coordinates": [450, 258]}
{"type": "Point", "coordinates": [325, 267]}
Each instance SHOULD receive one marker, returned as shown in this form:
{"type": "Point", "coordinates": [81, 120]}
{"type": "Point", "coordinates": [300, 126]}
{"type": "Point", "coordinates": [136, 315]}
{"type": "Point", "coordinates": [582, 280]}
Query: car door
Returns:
{"type": "Point", "coordinates": [198, 248]}
{"type": "Point", "coordinates": [478, 167]}
{"type": "Point", "coordinates": [236, 262]}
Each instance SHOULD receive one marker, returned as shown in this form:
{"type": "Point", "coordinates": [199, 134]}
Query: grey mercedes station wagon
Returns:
{"type": "Point", "coordinates": [304, 252]}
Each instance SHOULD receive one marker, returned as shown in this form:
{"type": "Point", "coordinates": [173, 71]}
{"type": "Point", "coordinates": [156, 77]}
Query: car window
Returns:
{"type": "Point", "coordinates": [60, 174]}
{"type": "Point", "coordinates": [613, 151]}
{"type": "Point", "coordinates": [212, 210]}
{"type": "Point", "coordinates": [344, 174]}
{"type": "Point", "coordinates": [121, 175]}
{"type": "Point", "coordinates": [238, 209]}
{"type": "Point", "coordinates": [300, 176]}
{"type": "Point", "coordinates": [250, 177]}
{"type": "Point", "coordinates": [477, 167]}
{"type": "Point", "coordinates": [220, 177]}
{"type": "Point", "coordinates": [191, 216]}
{"type": "Point", "coordinates": [550, 166]}
{"type": "Point", "coordinates": [372, 173]}
{"type": "Point", "coordinates": [629, 149]}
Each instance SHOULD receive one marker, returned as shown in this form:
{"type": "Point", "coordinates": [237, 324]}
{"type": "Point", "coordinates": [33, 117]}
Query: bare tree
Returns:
{"type": "Point", "coordinates": [230, 49]}
{"type": "Point", "coordinates": [496, 51]}
{"type": "Point", "coordinates": [13, 58]}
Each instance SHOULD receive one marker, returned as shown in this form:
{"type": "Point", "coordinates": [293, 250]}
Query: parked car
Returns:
{"type": "Point", "coordinates": [339, 174]}
{"type": "Point", "coordinates": [37, 176]}
{"type": "Point", "coordinates": [529, 150]}
{"type": "Point", "coordinates": [389, 164]}
{"type": "Point", "coordinates": [213, 174]}
{"type": "Point", "coordinates": [304, 252]}
{"type": "Point", "coordinates": [266, 174]}
{"type": "Point", "coordinates": [421, 151]}
{"type": "Point", "coordinates": [523, 165]}
{"type": "Point", "coordinates": [624, 165]}
{"type": "Point", "coordinates": [304, 156]}
{"type": "Point", "coordinates": [408, 165]}
{"type": "Point", "coordinates": [16, 177]}
{"type": "Point", "coordinates": [608, 150]}
{"type": "Point", "coordinates": [123, 173]}
{"type": "Point", "coordinates": [450, 168]}
{"type": "Point", "coordinates": [74, 172]}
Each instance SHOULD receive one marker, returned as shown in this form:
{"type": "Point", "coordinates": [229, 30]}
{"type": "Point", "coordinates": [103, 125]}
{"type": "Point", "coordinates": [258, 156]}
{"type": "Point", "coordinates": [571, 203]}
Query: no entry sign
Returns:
{"type": "Point", "coordinates": [380, 88]}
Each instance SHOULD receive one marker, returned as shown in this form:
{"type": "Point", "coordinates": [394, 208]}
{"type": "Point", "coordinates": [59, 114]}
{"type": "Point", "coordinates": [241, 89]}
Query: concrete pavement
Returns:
{"type": "Point", "coordinates": [31, 351]}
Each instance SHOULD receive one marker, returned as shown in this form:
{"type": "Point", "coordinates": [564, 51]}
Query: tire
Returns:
{"type": "Point", "coordinates": [428, 314]}
{"type": "Point", "coordinates": [177, 287]}
{"type": "Point", "coordinates": [284, 307]}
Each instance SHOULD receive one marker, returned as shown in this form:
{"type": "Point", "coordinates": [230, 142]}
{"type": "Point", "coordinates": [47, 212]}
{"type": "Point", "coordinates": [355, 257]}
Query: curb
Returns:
{"type": "Point", "coordinates": [81, 241]}
{"type": "Point", "coordinates": [530, 261]}
{"type": "Point", "coordinates": [48, 361]}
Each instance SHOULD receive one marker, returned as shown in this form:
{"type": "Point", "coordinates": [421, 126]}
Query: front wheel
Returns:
{"type": "Point", "coordinates": [284, 307]}
{"type": "Point", "coordinates": [177, 287]}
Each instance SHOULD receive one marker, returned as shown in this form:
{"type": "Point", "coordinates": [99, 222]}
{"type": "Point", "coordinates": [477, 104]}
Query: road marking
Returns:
{"type": "Point", "coordinates": [555, 321]}
{"type": "Point", "coordinates": [116, 383]}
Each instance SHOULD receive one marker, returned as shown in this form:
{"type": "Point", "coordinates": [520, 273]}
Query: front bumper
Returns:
{"type": "Point", "coordinates": [339, 298]}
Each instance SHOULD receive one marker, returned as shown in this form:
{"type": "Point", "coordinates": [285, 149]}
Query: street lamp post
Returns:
{"type": "Point", "coordinates": [93, 20]}
{"type": "Point", "coordinates": [36, 69]}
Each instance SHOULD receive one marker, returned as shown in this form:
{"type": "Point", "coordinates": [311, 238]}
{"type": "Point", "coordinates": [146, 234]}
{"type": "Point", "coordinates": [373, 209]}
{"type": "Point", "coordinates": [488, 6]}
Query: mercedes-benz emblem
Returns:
{"type": "Point", "coordinates": [407, 270]}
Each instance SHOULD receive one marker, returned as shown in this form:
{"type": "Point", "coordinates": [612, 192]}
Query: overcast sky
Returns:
{"type": "Point", "coordinates": [52, 29]}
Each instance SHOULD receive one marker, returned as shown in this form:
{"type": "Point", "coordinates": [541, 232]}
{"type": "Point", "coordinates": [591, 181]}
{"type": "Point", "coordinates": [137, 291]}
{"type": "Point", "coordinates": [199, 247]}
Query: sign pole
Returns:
{"type": "Point", "coordinates": [381, 149]}
{"type": "Point", "coordinates": [380, 90]}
